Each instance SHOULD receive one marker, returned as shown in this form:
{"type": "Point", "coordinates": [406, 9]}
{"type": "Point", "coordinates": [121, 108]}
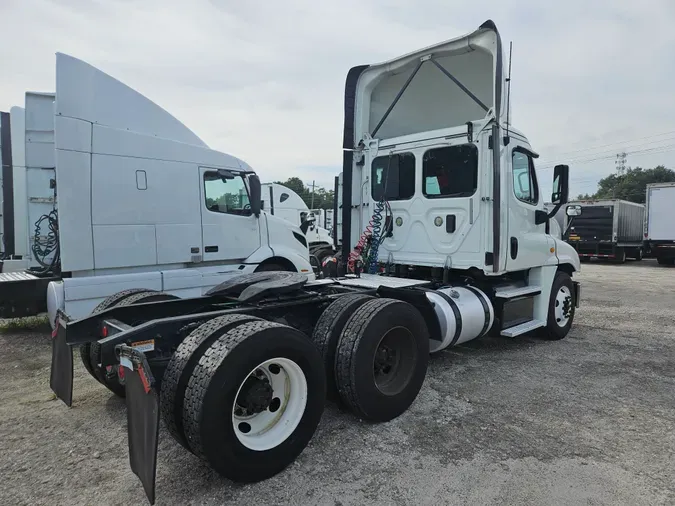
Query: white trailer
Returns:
{"type": "Point", "coordinates": [659, 223]}
{"type": "Point", "coordinates": [128, 197]}
{"type": "Point", "coordinates": [460, 248]}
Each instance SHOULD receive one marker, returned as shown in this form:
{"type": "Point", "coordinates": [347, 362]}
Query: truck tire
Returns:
{"type": "Point", "coordinates": [273, 267]}
{"type": "Point", "coordinates": [638, 254]}
{"type": "Point", "coordinates": [561, 307]}
{"type": "Point", "coordinates": [328, 329]}
{"type": "Point", "coordinates": [382, 359]}
{"type": "Point", "coordinates": [665, 260]}
{"type": "Point", "coordinates": [620, 255]}
{"type": "Point", "coordinates": [234, 416]}
{"type": "Point", "coordinates": [107, 303]}
{"type": "Point", "coordinates": [183, 362]}
{"type": "Point", "coordinates": [108, 376]}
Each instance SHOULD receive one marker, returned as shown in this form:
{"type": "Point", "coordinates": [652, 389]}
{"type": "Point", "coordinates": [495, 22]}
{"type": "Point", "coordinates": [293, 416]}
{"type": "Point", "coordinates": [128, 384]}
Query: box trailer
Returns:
{"type": "Point", "coordinates": [611, 229]}
{"type": "Point", "coordinates": [660, 226]}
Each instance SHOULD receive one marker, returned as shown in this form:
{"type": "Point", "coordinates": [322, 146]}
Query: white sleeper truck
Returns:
{"type": "Point", "coordinates": [127, 197]}
{"type": "Point", "coordinates": [445, 239]}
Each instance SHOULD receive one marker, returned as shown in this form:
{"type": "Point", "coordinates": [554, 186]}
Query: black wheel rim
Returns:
{"type": "Point", "coordinates": [394, 361]}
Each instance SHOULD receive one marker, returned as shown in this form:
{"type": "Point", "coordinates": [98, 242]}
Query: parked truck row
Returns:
{"type": "Point", "coordinates": [442, 237]}
{"type": "Point", "coordinates": [617, 229]}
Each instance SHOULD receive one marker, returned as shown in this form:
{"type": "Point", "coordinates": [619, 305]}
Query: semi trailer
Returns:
{"type": "Point", "coordinates": [444, 239]}
{"type": "Point", "coordinates": [659, 223]}
{"type": "Point", "coordinates": [111, 192]}
{"type": "Point", "coordinates": [609, 229]}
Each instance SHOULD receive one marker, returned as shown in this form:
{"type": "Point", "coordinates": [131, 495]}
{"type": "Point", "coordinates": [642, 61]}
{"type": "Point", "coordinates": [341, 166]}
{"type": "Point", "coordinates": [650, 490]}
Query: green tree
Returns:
{"type": "Point", "coordinates": [585, 196]}
{"type": "Point", "coordinates": [632, 185]}
{"type": "Point", "coordinates": [323, 199]}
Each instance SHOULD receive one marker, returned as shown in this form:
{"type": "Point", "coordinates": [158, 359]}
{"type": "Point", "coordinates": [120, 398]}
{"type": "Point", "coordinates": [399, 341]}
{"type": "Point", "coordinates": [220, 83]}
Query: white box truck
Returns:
{"type": "Point", "coordinates": [660, 222]}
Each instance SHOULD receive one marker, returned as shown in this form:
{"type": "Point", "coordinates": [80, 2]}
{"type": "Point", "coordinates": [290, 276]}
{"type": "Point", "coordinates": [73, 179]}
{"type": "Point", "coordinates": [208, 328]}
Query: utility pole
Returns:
{"type": "Point", "coordinates": [312, 206]}
{"type": "Point", "coordinates": [620, 163]}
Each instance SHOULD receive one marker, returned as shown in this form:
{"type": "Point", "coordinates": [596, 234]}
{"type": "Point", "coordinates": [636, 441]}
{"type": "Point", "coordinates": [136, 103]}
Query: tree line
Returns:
{"type": "Point", "coordinates": [631, 185]}
{"type": "Point", "coordinates": [321, 198]}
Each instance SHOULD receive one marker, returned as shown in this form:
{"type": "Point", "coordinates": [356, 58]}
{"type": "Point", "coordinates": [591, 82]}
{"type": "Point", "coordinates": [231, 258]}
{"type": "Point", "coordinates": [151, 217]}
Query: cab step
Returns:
{"type": "Point", "coordinates": [512, 293]}
{"type": "Point", "coordinates": [523, 328]}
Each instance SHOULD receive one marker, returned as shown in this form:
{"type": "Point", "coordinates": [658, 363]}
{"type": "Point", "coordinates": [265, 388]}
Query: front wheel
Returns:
{"type": "Point", "coordinates": [561, 307]}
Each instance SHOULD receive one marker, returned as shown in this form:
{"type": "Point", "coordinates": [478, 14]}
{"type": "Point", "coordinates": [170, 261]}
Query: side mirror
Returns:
{"type": "Point", "coordinates": [573, 210]}
{"type": "Point", "coordinates": [255, 189]}
{"type": "Point", "coordinates": [561, 175]}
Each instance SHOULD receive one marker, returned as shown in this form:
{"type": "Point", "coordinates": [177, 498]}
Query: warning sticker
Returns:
{"type": "Point", "coordinates": [144, 346]}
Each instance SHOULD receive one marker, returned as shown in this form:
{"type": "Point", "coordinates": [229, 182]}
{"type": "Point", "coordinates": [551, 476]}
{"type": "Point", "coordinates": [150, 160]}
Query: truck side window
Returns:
{"type": "Point", "coordinates": [524, 178]}
{"type": "Point", "coordinates": [393, 176]}
{"type": "Point", "coordinates": [450, 171]}
{"type": "Point", "coordinates": [228, 196]}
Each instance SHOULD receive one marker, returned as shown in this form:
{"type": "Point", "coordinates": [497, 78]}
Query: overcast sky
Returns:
{"type": "Point", "coordinates": [263, 80]}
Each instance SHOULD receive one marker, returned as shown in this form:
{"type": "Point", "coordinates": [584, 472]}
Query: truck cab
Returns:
{"type": "Point", "coordinates": [437, 183]}
{"type": "Point", "coordinates": [135, 199]}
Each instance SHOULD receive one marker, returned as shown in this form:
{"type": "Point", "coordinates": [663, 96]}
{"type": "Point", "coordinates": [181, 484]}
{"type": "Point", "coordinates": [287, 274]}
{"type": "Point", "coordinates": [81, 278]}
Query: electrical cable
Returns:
{"type": "Point", "coordinates": [48, 245]}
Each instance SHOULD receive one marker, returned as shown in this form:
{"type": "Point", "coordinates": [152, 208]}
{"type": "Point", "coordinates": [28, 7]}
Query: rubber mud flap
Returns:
{"type": "Point", "coordinates": [142, 417]}
{"type": "Point", "coordinates": [61, 374]}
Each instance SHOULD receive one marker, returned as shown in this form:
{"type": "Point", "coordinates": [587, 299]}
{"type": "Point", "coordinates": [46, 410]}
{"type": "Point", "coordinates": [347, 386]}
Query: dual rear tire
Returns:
{"type": "Point", "coordinates": [89, 353]}
{"type": "Point", "coordinates": [244, 394]}
{"type": "Point", "coordinates": [375, 352]}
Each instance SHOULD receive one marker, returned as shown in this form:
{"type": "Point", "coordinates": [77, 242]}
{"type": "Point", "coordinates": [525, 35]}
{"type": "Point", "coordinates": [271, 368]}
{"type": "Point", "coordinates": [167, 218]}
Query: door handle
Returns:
{"type": "Point", "coordinates": [514, 247]}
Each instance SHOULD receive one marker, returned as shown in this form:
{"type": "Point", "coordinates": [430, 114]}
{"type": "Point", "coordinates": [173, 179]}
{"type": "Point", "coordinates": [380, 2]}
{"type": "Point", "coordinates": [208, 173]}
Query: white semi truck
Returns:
{"type": "Point", "coordinates": [126, 197]}
{"type": "Point", "coordinates": [659, 224]}
{"type": "Point", "coordinates": [439, 198]}
{"type": "Point", "coordinates": [283, 202]}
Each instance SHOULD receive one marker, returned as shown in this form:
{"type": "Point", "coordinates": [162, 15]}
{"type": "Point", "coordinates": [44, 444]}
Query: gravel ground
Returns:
{"type": "Point", "coordinates": [586, 420]}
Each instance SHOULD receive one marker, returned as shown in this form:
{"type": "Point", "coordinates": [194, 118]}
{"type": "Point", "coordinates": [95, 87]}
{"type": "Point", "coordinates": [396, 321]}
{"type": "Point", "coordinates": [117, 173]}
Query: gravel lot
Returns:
{"type": "Point", "coordinates": [586, 420]}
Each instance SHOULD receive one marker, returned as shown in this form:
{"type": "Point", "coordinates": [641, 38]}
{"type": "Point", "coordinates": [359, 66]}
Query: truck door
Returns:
{"type": "Point", "coordinates": [527, 244]}
{"type": "Point", "coordinates": [229, 230]}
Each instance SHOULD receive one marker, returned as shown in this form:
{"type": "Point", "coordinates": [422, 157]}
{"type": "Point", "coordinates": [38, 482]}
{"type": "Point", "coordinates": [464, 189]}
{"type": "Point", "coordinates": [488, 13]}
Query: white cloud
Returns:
{"type": "Point", "coordinates": [264, 80]}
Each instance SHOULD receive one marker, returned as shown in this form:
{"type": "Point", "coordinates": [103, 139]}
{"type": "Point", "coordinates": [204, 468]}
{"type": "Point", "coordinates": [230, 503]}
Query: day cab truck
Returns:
{"type": "Point", "coordinates": [660, 222]}
{"type": "Point", "coordinates": [608, 229]}
{"type": "Point", "coordinates": [125, 197]}
{"type": "Point", "coordinates": [283, 202]}
{"type": "Point", "coordinates": [444, 239]}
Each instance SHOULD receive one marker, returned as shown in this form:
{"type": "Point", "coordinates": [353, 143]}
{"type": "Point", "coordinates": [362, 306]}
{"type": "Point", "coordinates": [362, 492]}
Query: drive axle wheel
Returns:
{"type": "Point", "coordinates": [328, 329]}
{"type": "Point", "coordinates": [382, 359]}
{"type": "Point", "coordinates": [254, 400]}
{"type": "Point", "coordinates": [107, 303]}
{"type": "Point", "coordinates": [183, 362]}
{"type": "Point", "coordinates": [90, 352]}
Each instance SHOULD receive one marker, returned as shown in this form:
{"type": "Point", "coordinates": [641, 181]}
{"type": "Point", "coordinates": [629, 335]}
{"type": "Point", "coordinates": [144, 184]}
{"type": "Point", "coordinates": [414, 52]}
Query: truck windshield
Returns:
{"type": "Point", "coordinates": [226, 195]}
{"type": "Point", "coordinates": [450, 171]}
{"type": "Point", "coordinates": [393, 176]}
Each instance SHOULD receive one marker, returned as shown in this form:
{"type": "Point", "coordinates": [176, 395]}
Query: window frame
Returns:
{"type": "Point", "coordinates": [242, 212]}
{"type": "Point", "coordinates": [441, 196]}
{"type": "Point", "coordinates": [372, 176]}
{"type": "Point", "coordinates": [532, 173]}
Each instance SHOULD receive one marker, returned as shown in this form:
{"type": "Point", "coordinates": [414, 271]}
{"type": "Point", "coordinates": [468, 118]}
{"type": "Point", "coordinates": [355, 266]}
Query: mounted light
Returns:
{"type": "Point", "coordinates": [438, 221]}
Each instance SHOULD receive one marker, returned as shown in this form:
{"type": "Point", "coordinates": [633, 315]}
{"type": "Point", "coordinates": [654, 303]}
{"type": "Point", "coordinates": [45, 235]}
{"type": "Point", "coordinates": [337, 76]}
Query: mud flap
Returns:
{"type": "Point", "coordinates": [61, 374]}
{"type": "Point", "coordinates": [142, 417]}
